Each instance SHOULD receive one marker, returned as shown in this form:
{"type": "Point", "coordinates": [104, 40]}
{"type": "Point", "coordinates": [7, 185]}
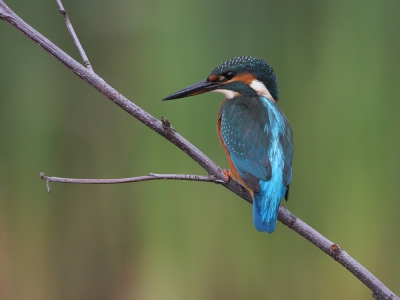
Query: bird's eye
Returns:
{"type": "Point", "coordinates": [229, 75]}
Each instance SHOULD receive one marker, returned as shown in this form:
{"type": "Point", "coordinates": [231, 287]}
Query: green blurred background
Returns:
{"type": "Point", "coordinates": [338, 67]}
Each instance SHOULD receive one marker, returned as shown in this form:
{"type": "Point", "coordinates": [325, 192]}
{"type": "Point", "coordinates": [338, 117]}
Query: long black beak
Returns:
{"type": "Point", "coordinates": [195, 89]}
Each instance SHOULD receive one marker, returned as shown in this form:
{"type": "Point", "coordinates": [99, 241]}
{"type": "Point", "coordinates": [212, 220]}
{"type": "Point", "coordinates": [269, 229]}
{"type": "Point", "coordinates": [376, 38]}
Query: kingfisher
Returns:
{"type": "Point", "coordinates": [254, 133]}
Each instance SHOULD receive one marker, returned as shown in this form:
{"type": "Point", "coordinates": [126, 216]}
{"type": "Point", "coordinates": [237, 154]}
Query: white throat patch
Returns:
{"type": "Point", "coordinates": [261, 89]}
{"type": "Point", "coordinates": [228, 93]}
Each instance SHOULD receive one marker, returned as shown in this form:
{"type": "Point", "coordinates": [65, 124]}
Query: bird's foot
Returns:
{"type": "Point", "coordinates": [227, 176]}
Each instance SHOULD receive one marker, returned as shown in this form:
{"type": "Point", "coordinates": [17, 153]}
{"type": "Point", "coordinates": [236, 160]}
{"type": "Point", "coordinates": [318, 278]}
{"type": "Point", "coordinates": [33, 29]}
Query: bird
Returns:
{"type": "Point", "coordinates": [254, 133]}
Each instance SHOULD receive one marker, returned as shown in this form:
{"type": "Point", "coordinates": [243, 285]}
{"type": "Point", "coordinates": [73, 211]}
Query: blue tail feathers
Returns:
{"type": "Point", "coordinates": [266, 205]}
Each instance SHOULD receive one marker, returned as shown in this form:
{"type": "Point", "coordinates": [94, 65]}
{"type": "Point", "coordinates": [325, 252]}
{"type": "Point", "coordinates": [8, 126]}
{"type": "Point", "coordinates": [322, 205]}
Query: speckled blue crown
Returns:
{"type": "Point", "coordinates": [256, 66]}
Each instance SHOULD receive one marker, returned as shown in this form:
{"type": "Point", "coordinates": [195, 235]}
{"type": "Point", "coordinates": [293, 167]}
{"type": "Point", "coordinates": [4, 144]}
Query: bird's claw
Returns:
{"type": "Point", "coordinates": [227, 176]}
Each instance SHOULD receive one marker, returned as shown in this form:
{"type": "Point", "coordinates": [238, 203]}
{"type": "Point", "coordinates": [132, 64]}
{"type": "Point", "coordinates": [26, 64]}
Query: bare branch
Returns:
{"type": "Point", "coordinates": [148, 177]}
{"type": "Point", "coordinates": [380, 291]}
{"type": "Point", "coordinates": [74, 36]}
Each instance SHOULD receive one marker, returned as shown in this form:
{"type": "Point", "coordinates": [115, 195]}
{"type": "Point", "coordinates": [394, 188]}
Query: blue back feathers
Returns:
{"type": "Point", "coordinates": [259, 140]}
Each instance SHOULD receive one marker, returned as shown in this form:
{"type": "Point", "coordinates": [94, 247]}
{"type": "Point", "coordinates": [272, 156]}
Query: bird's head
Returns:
{"type": "Point", "coordinates": [239, 76]}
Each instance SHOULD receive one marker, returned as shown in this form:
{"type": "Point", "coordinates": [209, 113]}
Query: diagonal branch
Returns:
{"type": "Point", "coordinates": [380, 291]}
{"type": "Point", "coordinates": [74, 36]}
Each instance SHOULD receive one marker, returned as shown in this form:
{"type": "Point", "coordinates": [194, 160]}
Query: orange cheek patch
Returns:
{"type": "Point", "coordinates": [247, 78]}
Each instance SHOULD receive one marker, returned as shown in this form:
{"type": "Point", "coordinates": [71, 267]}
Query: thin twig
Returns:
{"type": "Point", "coordinates": [148, 177]}
{"type": "Point", "coordinates": [380, 291]}
{"type": "Point", "coordinates": [74, 36]}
